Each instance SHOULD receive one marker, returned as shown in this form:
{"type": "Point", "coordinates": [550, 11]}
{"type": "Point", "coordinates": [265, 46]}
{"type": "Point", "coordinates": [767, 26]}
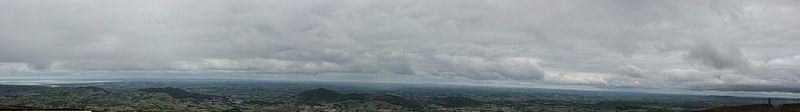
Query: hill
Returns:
{"type": "Point", "coordinates": [316, 95]}
{"type": "Point", "coordinates": [330, 96]}
{"type": "Point", "coordinates": [178, 93]}
{"type": "Point", "coordinates": [93, 89]}
{"type": "Point", "coordinates": [457, 102]}
{"type": "Point", "coordinates": [19, 88]}
{"type": "Point", "coordinates": [388, 98]}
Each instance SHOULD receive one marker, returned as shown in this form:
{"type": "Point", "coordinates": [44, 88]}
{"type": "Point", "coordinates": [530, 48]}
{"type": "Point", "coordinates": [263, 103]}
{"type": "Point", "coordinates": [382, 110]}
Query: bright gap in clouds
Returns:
{"type": "Point", "coordinates": [675, 45]}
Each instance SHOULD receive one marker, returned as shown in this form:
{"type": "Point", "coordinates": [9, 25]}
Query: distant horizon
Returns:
{"type": "Point", "coordinates": [743, 94]}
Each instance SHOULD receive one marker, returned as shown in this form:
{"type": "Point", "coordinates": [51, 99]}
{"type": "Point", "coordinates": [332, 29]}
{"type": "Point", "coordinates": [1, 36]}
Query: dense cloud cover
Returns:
{"type": "Point", "coordinates": [680, 44]}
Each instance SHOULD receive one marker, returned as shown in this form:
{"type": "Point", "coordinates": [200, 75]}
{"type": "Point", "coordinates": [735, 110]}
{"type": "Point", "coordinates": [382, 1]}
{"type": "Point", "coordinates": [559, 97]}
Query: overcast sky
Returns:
{"type": "Point", "coordinates": [738, 45]}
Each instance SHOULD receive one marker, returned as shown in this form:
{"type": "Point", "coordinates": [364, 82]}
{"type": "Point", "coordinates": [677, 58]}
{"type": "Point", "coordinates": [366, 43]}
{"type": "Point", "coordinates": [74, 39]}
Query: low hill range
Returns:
{"type": "Point", "coordinates": [179, 93]}
{"type": "Point", "coordinates": [458, 102]}
{"type": "Point", "coordinates": [19, 88]}
{"type": "Point", "coordinates": [319, 95]}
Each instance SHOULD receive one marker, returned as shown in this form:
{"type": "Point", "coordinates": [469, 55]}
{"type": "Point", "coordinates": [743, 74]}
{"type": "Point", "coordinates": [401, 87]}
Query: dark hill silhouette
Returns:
{"type": "Point", "coordinates": [19, 88]}
{"type": "Point", "coordinates": [327, 95]}
{"type": "Point", "coordinates": [94, 89]}
{"type": "Point", "coordinates": [316, 95]}
{"type": "Point", "coordinates": [392, 99]}
{"type": "Point", "coordinates": [457, 102]}
{"type": "Point", "coordinates": [89, 90]}
{"type": "Point", "coordinates": [178, 93]}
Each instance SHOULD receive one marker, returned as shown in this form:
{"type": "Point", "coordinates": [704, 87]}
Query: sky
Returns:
{"type": "Point", "coordinates": [719, 45]}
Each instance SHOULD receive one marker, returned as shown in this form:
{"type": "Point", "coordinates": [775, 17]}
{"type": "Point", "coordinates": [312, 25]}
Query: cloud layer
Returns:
{"type": "Point", "coordinates": [706, 44]}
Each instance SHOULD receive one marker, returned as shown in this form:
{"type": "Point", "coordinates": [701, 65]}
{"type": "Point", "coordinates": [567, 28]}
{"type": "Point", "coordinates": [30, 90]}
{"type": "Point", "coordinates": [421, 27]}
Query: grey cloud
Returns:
{"type": "Point", "coordinates": [601, 42]}
{"type": "Point", "coordinates": [633, 71]}
{"type": "Point", "coordinates": [397, 61]}
{"type": "Point", "coordinates": [718, 57]}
